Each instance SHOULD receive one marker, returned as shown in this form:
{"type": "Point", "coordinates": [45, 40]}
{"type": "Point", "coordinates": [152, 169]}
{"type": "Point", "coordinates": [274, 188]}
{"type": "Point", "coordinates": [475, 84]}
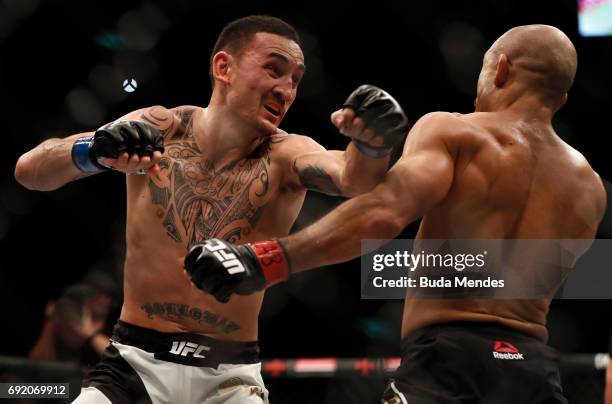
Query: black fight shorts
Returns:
{"type": "Point", "coordinates": [473, 363]}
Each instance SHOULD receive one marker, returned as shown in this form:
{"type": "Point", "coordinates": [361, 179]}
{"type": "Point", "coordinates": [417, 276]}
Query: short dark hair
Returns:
{"type": "Point", "coordinates": [238, 33]}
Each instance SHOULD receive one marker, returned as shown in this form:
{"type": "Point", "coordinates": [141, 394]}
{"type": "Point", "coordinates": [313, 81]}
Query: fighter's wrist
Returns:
{"type": "Point", "coordinates": [273, 261]}
{"type": "Point", "coordinates": [82, 158]}
{"type": "Point", "coordinates": [371, 151]}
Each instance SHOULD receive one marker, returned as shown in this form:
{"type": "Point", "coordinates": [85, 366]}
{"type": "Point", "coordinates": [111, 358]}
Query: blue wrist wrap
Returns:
{"type": "Point", "coordinates": [81, 158]}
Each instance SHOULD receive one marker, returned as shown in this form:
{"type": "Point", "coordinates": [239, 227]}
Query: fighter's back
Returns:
{"type": "Point", "coordinates": [513, 178]}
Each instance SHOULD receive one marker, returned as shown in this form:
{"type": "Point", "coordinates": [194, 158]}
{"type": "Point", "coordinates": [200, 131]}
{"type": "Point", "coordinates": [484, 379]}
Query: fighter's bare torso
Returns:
{"type": "Point", "coordinates": [190, 200]}
{"type": "Point", "coordinates": [512, 179]}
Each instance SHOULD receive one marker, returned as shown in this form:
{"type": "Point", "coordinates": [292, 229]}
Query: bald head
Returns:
{"type": "Point", "coordinates": [543, 57]}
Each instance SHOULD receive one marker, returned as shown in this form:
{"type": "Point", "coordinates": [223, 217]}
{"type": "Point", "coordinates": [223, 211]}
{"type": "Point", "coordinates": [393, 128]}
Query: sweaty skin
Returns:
{"type": "Point", "coordinates": [190, 200]}
{"type": "Point", "coordinates": [227, 172]}
{"type": "Point", "coordinates": [499, 173]}
{"type": "Point", "coordinates": [512, 179]}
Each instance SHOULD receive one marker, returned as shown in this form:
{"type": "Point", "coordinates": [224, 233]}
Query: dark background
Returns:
{"type": "Point", "coordinates": [61, 68]}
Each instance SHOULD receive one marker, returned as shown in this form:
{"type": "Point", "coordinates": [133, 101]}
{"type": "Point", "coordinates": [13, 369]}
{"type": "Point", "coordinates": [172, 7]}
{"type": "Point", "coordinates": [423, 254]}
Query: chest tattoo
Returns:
{"type": "Point", "coordinates": [196, 202]}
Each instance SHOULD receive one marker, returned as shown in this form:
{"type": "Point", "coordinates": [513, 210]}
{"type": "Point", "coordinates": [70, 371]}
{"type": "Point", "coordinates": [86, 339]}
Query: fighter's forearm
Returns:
{"type": "Point", "coordinates": [337, 236]}
{"type": "Point", "coordinates": [361, 173]}
{"type": "Point", "coordinates": [333, 172]}
{"type": "Point", "coordinates": [49, 165]}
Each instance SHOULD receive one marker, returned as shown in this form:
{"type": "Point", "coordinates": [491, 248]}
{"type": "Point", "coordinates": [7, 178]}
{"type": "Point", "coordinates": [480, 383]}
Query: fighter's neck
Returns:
{"type": "Point", "coordinates": [223, 139]}
{"type": "Point", "coordinates": [524, 106]}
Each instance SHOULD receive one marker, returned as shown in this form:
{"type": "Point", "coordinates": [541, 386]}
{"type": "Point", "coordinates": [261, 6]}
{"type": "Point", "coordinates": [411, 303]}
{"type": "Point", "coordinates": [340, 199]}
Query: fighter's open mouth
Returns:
{"type": "Point", "coordinates": [272, 110]}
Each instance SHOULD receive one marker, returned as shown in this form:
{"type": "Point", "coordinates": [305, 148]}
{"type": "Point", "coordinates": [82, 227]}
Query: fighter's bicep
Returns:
{"type": "Point", "coordinates": [319, 171]}
{"type": "Point", "coordinates": [419, 182]}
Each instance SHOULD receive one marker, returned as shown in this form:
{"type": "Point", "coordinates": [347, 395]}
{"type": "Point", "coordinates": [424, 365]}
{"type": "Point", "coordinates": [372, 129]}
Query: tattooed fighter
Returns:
{"type": "Point", "coordinates": [223, 171]}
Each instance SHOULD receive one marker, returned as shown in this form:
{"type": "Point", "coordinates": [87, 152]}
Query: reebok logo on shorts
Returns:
{"type": "Point", "coordinates": [184, 348]}
{"type": "Point", "coordinates": [505, 350]}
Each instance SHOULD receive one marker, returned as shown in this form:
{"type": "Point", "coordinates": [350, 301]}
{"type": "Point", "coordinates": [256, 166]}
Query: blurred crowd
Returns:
{"type": "Point", "coordinates": [77, 324]}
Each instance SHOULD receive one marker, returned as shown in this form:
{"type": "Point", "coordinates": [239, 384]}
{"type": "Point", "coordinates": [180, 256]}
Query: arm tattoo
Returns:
{"type": "Point", "coordinates": [197, 202]}
{"type": "Point", "coordinates": [316, 179]}
{"type": "Point", "coordinates": [184, 311]}
{"type": "Point", "coordinates": [155, 116]}
{"type": "Point", "coordinates": [166, 121]}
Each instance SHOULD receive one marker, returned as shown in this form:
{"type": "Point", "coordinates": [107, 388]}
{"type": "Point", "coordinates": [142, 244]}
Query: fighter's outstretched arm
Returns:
{"type": "Point", "coordinates": [375, 122]}
{"type": "Point", "coordinates": [55, 162]}
{"type": "Point", "coordinates": [333, 172]}
{"type": "Point", "coordinates": [413, 186]}
{"type": "Point", "coordinates": [49, 165]}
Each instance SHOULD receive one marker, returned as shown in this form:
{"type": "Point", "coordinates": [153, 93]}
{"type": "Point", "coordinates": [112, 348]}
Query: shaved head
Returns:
{"type": "Point", "coordinates": [543, 53]}
{"type": "Point", "coordinates": [541, 57]}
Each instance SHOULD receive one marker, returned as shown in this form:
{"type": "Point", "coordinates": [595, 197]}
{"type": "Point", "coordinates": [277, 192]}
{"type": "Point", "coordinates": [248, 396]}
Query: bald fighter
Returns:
{"type": "Point", "coordinates": [501, 172]}
{"type": "Point", "coordinates": [222, 171]}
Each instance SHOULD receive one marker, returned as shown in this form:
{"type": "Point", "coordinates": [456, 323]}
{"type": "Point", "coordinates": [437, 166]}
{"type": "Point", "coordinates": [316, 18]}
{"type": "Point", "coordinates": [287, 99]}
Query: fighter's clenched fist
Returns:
{"type": "Point", "coordinates": [127, 146]}
{"type": "Point", "coordinates": [221, 268]}
{"type": "Point", "coordinates": [373, 119]}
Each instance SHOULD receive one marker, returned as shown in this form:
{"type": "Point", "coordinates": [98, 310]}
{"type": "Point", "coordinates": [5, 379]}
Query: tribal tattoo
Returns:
{"type": "Point", "coordinates": [184, 311]}
{"type": "Point", "coordinates": [316, 179]}
{"type": "Point", "coordinates": [164, 120]}
{"type": "Point", "coordinates": [197, 201]}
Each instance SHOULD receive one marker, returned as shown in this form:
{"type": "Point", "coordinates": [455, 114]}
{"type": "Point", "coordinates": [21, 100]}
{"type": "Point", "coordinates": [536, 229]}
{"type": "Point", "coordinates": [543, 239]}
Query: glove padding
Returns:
{"type": "Point", "coordinates": [132, 137]}
{"type": "Point", "coordinates": [221, 268]}
{"type": "Point", "coordinates": [381, 113]}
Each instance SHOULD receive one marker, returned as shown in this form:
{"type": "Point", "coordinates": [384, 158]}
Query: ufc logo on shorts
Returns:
{"type": "Point", "coordinates": [184, 348]}
{"type": "Point", "coordinates": [228, 259]}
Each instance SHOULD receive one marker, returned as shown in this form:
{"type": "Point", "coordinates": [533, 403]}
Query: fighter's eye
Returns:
{"type": "Point", "coordinates": [296, 80]}
{"type": "Point", "coordinates": [273, 71]}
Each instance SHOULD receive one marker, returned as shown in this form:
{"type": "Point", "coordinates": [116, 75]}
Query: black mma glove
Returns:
{"type": "Point", "coordinates": [112, 140]}
{"type": "Point", "coordinates": [221, 268]}
{"type": "Point", "coordinates": [380, 113]}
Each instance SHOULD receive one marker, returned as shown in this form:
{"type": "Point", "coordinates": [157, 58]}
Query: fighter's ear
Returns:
{"type": "Point", "coordinates": [502, 71]}
{"type": "Point", "coordinates": [221, 63]}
